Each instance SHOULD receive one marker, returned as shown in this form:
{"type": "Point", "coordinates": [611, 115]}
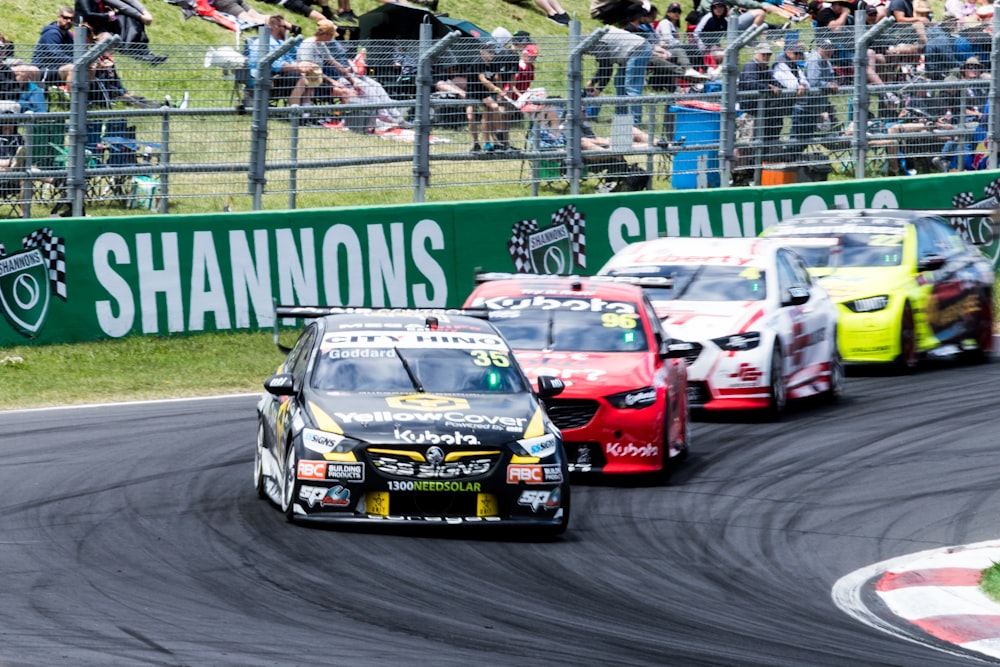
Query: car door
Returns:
{"type": "Point", "coordinates": [804, 318]}
{"type": "Point", "coordinates": [298, 360]}
{"type": "Point", "coordinates": [941, 265]}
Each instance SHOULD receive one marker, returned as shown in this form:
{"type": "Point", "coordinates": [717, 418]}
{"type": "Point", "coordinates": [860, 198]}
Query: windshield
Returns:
{"type": "Point", "coordinates": [703, 282]}
{"type": "Point", "coordinates": [434, 370]}
{"type": "Point", "coordinates": [579, 331]}
{"type": "Point", "coordinates": [855, 250]}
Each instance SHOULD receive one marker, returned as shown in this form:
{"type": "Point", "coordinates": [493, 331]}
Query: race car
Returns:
{"type": "Point", "coordinates": [758, 330]}
{"type": "Point", "coordinates": [624, 409]}
{"type": "Point", "coordinates": [906, 283]}
{"type": "Point", "coordinates": [401, 415]}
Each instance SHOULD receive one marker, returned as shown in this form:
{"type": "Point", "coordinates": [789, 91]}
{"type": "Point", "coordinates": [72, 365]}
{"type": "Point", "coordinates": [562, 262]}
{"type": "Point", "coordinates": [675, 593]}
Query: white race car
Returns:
{"type": "Point", "coordinates": [760, 331]}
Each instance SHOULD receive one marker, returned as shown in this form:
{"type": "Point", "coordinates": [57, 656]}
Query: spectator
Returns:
{"type": "Point", "coordinates": [126, 18]}
{"type": "Point", "coordinates": [710, 30]}
{"type": "Point", "coordinates": [756, 85]}
{"type": "Point", "coordinates": [831, 15]}
{"type": "Point", "coordinates": [940, 55]}
{"type": "Point", "coordinates": [965, 105]}
{"type": "Point", "coordinates": [666, 66]}
{"type": "Point", "coordinates": [53, 54]}
{"type": "Point", "coordinates": [631, 53]}
{"type": "Point", "coordinates": [288, 75]}
{"type": "Point", "coordinates": [554, 11]}
{"type": "Point", "coordinates": [486, 78]}
{"type": "Point", "coordinates": [344, 11]}
{"type": "Point", "coordinates": [822, 83]}
{"type": "Point", "coordinates": [304, 8]}
{"type": "Point", "coordinates": [751, 12]}
{"type": "Point", "coordinates": [673, 38]}
{"type": "Point", "coordinates": [32, 97]}
{"type": "Point", "coordinates": [613, 12]}
{"type": "Point", "coordinates": [238, 8]}
{"type": "Point", "coordinates": [791, 78]}
{"type": "Point", "coordinates": [330, 55]}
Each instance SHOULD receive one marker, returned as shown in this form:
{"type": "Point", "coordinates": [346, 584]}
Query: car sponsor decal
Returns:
{"type": "Point", "coordinates": [540, 500]}
{"type": "Point", "coordinates": [630, 450]}
{"type": "Point", "coordinates": [453, 419]}
{"type": "Point", "coordinates": [410, 339]}
{"type": "Point", "coordinates": [427, 402]}
{"type": "Point", "coordinates": [412, 437]}
{"type": "Point", "coordinates": [336, 496]}
{"type": "Point", "coordinates": [324, 470]}
{"type": "Point", "coordinates": [389, 464]}
{"type": "Point", "coordinates": [746, 374]}
{"type": "Point", "coordinates": [513, 304]}
{"type": "Point", "coordinates": [534, 474]}
{"type": "Point", "coordinates": [428, 486]}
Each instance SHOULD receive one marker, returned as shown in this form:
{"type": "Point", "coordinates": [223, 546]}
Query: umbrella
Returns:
{"type": "Point", "coordinates": [395, 22]}
{"type": "Point", "coordinates": [468, 28]}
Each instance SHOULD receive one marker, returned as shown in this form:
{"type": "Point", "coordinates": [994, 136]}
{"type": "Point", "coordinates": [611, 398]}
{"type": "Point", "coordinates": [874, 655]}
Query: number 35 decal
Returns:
{"type": "Point", "coordinates": [492, 358]}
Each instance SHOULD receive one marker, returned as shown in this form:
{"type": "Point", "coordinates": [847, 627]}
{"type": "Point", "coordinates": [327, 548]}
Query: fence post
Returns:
{"type": "Point", "coordinates": [730, 68]}
{"type": "Point", "coordinates": [993, 129]}
{"type": "Point", "coordinates": [257, 173]}
{"type": "Point", "coordinates": [164, 162]}
{"type": "Point", "coordinates": [859, 145]}
{"type": "Point", "coordinates": [425, 84]}
{"type": "Point", "coordinates": [574, 75]}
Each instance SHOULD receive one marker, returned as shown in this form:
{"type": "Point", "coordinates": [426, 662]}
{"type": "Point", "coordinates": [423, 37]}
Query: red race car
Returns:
{"type": "Point", "coordinates": [624, 409]}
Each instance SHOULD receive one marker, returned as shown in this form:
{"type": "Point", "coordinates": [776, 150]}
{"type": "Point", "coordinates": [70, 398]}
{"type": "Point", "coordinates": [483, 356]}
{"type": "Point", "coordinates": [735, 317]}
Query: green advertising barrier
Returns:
{"type": "Point", "coordinates": [64, 280]}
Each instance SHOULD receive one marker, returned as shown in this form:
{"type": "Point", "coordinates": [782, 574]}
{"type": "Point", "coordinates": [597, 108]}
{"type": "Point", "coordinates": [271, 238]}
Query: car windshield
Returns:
{"type": "Point", "coordinates": [570, 330]}
{"type": "Point", "coordinates": [855, 250]}
{"type": "Point", "coordinates": [704, 282]}
{"type": "Point", "coordinates": [433, 370]}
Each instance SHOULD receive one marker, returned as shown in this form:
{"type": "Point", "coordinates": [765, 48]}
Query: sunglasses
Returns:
{"type": "Point", "coordinates": [68, 18]}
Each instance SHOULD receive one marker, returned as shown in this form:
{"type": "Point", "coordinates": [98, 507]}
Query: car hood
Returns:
{"type": "Point", "coordinates": [845, 284]}
{"type": "Point", "coordinates": [702, 320]}
{"type": "Point", "coordinates": [420, 418]}
{"type": "Point", "coordinates": [582, 371]}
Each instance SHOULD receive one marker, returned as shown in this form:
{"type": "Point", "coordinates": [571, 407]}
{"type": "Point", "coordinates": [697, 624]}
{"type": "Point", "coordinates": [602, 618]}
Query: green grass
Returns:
{"type": "Point", "coordinates": [136, 368]}
{"type": "Point", "coordinates": [990, 581]}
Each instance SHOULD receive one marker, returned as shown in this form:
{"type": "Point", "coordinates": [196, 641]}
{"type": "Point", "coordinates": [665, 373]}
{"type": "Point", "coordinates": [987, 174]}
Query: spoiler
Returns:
{"type": "Point", "coordinates": [977, 236]}
{"type": "Point", "coordinates": [313, 312]}
{"type": "Point", "coordinates": [640, 281]}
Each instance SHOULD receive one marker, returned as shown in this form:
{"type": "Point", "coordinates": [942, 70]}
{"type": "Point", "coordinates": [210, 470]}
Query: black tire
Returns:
{"type": "Point", "coordinates": [779, 392]}
{"type": "Point", "coordinates": [258, 462]}
{"type": "Point", "coordinates": [559, 529]}
{"type": "Point", "coordinates": [837, 376]}
{"type": "Point", "coordinates": [289, 485]}
{"type": "Point", "coordinates": [983, 332]}
{"type": "Point", "coordinates": [908, 358]}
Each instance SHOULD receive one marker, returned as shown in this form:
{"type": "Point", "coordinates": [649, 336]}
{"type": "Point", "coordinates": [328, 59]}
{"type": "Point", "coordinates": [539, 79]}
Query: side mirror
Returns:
{"type": "Point", "coordinates": [796, 296]}
{"type": "Point", "coordinates": [282, 384]}
{"type": "Point", "coordinates": [930, 263]}
{"type": "Point", "coordinates": [549, 386]}
{"type": "Point", "coordinates": [676, 349]}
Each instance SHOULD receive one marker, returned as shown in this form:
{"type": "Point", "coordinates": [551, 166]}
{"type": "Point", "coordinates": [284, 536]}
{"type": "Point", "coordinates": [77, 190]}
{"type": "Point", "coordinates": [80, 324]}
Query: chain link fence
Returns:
{"type": "Point", "coordinates": [218, 128]}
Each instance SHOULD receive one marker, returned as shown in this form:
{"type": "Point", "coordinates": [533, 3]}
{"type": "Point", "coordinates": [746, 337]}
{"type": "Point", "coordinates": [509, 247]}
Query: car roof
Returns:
{"type": "Point", "coordinates": [695, 250]}
{"type": "Point", "coordinates": [560, 286]}
{"type": "Point", "coordinates": [846, 219]}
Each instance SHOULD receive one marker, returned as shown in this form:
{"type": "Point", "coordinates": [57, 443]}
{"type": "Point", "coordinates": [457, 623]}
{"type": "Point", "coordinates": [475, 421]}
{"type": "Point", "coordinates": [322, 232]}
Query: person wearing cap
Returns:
{"type": "Point", "coordinates": [822, 82]}
{"type": "Point", "coordinates": [756, 89]}
{"type": "Point", "coordinates": [967, 106]}
{"type": "Point", "coordinates": [795, 92]}
{"type": "Point", "coordinates": [674, 39]}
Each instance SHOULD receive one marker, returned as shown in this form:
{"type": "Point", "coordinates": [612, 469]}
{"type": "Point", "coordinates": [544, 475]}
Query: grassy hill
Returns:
{"type": "Point", "coordinates": [169, 26]}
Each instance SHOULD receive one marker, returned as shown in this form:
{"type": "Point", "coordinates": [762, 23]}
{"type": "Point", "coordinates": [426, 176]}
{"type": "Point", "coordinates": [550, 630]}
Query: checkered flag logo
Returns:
{"type": "Point", "coordinates": [54, 250]}
{"type": "Point", "coordinates": [534, 249]}
{"type": "Point", "coordinates": [973, 228]}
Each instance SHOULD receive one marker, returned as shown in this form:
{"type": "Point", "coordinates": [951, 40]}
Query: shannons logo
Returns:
{"type": "Point", "coordinates": [29, 276]}
{"type": "Point", "coordinates": [559, 248]}
{"type": "Point", "coordinates": [979, 230]}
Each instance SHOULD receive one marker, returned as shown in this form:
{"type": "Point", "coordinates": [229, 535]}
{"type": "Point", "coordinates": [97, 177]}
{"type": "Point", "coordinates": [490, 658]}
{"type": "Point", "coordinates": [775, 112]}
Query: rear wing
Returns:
{"type": "Point", "coordinates": [312, 312]}
{"type": "Point", "coordinates": [641, 281]}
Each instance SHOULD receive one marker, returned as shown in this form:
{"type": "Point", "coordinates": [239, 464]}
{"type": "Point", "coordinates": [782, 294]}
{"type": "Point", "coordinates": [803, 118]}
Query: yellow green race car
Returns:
{"type": "Point", "coordinates": [906, 283]}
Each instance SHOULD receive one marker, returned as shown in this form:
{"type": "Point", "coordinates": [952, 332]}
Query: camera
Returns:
{"type": "Point", "coordinates": [295, 30]}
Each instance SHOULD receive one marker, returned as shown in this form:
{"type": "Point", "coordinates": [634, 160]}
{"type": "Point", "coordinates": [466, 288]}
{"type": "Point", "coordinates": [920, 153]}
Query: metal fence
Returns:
{"type": "Point", "coordinates": [206, 131]}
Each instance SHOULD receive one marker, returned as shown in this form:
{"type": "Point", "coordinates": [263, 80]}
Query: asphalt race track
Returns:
{"type": "Point", "coordinates": [131, 535]}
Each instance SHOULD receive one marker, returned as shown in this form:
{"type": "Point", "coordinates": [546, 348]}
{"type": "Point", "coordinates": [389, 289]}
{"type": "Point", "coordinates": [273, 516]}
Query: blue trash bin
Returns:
{"type": "Point", "coordinates": [695, 123]}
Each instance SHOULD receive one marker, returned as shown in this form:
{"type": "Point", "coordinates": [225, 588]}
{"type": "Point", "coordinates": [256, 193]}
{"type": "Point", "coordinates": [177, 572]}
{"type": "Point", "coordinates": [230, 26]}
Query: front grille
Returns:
{"type": "Point", "coordinates": [441, 505]}
{"type": "Point", "coordinates": [698, 394]}
{"type": "Point", "coordinates": [571, 412]}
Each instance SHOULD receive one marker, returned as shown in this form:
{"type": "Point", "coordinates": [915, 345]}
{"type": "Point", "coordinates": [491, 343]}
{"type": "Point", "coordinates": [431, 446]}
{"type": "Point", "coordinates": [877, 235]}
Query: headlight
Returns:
{"type": "Point", "coordinates": [322, 442]}
{"type": "Point", "coordinates": [637, 398]}
{"type": "Point", "coordinates": [869, 304]}
{"type": "Point", "coordinates": [738, 342]}
{"type": "Point", "coordinates": [542, 446]}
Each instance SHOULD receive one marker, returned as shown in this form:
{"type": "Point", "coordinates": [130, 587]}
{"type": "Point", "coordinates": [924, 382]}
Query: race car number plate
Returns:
{"type": "Point", "coordinates": [486, 505]}
{"type": "Point", "coordinates": [377, 502]}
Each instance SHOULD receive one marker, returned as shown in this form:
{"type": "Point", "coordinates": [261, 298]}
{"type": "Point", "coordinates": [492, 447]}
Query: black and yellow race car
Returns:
{"type": "Point", "coordinates": [398, 415]}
